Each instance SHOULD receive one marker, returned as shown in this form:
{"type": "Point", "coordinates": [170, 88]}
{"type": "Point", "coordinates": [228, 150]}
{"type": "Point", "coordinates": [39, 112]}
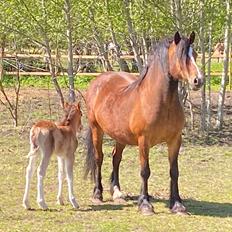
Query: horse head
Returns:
{"type": "Point", "coordinates": [182, 61]}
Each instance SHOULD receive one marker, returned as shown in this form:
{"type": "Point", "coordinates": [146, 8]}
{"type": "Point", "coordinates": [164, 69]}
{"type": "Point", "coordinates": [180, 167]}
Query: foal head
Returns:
{"type": "Point", "coordinates": [73, 116]}
{"type": "Point", "coordinates": [182, 65]}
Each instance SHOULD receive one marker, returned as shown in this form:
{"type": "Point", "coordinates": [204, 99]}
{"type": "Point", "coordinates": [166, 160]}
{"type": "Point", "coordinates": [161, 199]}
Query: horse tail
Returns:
{"type": "Point", "coordinates": [90, 166]}
{"type": "Point", "coordinates": [34, 147]}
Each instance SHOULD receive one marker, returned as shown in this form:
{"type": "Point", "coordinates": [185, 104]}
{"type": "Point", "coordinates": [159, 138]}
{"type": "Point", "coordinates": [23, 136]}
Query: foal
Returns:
{"type": "Point", "coordinates": [59, 138]}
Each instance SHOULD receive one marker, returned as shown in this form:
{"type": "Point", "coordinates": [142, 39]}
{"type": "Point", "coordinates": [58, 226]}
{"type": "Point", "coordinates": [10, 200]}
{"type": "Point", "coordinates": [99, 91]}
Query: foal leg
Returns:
{"type": "Point", "coordinates": [145, 206]}
{"type": "Point", "coordinates": [29, 174]}
{"type": "Point", "coordinates": [40, 176]}
{"type": "Point", "coordinates": [176, 205]}
{"type": "Point", "coordinates": [69, 162]}
{"type": "Point", "coordinates": [61, 172]}
{"type": "Point", "coordinates": [97, 136]}
{"type": "Point", "coordinates": [115, 186]}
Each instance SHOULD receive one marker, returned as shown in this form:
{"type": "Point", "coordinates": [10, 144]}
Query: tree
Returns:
{"type": "Point", "coordinates": [224, 79]}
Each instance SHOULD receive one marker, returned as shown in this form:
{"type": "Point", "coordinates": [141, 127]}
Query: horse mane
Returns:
{"type": "Point", "coordinates": [160, 51]}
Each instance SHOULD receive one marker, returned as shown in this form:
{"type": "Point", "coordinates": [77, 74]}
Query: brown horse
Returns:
{"type": "Point", "coordinates": [142, 111]}
{"type": "Point", "coordinates": [59, 138]}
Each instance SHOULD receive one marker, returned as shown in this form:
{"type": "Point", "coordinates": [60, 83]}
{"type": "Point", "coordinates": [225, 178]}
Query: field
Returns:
{"type": "Point", "coordinates": [205, 181]}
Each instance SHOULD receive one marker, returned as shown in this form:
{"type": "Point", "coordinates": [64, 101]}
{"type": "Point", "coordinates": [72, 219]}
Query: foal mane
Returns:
{"type": "Point", "coordinates": [69, 114]}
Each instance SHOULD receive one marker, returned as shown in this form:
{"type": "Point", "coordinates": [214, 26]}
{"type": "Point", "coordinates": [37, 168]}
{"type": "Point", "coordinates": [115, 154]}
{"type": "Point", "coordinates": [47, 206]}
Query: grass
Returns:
{"type": "Point", "coordinates": [205, 183]}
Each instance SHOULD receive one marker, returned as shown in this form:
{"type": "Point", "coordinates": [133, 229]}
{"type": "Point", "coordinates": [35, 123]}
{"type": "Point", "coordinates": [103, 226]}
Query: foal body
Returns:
{"type": "Point", "coordinates": [60, 139]}
{"type": "Point", "coordinates": [143, 112]}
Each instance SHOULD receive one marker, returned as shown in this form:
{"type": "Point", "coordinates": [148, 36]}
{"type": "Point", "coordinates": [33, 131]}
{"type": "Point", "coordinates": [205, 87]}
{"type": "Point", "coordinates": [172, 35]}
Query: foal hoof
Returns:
{"type": "Point", "coordinates": [179, 208]}
{"type": "Point", "coordinates": [60, 201]}
{"type": "Point", "coordinates": [42, 205]}
{"type": "Point", "coordinates": [146, 208]}
{"type": "Point", "coordinates": [26, 205]}
{"type": "Point", "coordinates": [74, 204]}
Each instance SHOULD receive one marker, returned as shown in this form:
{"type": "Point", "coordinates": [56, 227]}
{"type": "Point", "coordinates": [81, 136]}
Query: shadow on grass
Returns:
{"type": "Point", "coordinates": [110, 207]}
{"type": "Point", "coordinates": [195, 207]}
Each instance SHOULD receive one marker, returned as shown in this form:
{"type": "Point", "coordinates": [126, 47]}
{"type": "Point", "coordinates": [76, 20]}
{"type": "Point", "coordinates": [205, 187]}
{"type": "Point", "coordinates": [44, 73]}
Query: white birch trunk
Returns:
{"type": "Point", "coordinates": [202, 45]}
{"type": "Point", "coordinates": [67, 10]}
{"type": "Point", "coordinates": [221, 98]}
{"type": "Point", "coordinates": [133, 37]}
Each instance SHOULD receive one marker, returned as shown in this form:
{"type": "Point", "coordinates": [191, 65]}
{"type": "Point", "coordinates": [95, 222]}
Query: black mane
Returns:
{"type": "Point", "coordinates": [159, 53]}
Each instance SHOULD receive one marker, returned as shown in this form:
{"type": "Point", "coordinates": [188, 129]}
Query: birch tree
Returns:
{"type": "Point", "coordinates": [224, 78]}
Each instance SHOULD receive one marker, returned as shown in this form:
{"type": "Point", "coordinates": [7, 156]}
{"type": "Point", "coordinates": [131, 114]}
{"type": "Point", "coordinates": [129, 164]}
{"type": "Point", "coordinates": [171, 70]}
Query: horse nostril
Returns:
{"type": "Point", "coordinates": [196, 81]}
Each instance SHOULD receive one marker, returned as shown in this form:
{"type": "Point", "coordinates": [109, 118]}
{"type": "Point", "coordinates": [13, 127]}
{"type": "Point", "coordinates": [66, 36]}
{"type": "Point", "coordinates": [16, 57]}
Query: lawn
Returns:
{"type": "Point", "coordinates": [205, 182]}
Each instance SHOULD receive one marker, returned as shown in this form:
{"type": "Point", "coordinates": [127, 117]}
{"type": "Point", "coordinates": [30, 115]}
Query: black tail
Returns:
{"type": "Point", "coordinates": [90, 166]}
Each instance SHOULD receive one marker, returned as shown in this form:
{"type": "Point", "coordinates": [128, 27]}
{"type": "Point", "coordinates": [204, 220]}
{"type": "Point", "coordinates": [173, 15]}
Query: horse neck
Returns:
{"type": "Point", "coordinates": [158, 85]}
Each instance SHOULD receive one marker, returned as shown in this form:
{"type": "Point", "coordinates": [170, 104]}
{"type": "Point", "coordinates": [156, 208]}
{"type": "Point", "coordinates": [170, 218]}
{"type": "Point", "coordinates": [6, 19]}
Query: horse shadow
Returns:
{"type": "Point", "coordinates": [197, 207]}
{"type": "Point", "coordinates": [110, 206]}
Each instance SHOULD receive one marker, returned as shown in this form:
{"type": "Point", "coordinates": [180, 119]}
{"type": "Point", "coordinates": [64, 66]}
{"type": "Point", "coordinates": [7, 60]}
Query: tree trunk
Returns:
{"type": "Point", "coordinates": [133, 37]}
{"type": "Point", "coordinates": [221, 99]}
{"type": "Point", "coordinates": [100, 44]}
{"type": "Point", "coordinates": [67, 10]}
{"type": "Point", "coordinates": [208, 84]}
{"type": "Point", "coordinates": [202, 45]}
{"type": "Point", "coordinates": [122, 63]}
{"type": "Point", "coordinates": [177, 13]}
{"type": "Point", "coordinates": [52, 71]}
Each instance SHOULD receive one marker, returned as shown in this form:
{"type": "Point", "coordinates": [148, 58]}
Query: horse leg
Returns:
{"type": "Point", "coordinates": [97, 136]}
{"type": "Point", "coordinates": [29, 174]}
{"type": "Point", "coordinates": [176, 205]}
{"type": "Point", "coordinates": [61, 172]}
{"type": "Point", "coordinates": [115, 186]}
{"type": "Point", "coordinates": [144, 205]}
{"type": "Point", "coordinates": [41, 171]}
{"type": "Point", "coordinates": [69, 162]}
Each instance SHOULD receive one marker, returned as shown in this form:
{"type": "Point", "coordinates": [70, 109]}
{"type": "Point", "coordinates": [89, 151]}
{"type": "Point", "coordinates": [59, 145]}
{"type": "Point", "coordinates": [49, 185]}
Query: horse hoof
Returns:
{"type": "Point", "coordinates": [146, 209]}
{"type": "Point", "coordinates": [74, 204]}
{"type": "Point", "coordinates": [43, 205]}
{"type": "Point", "coordinates": [97, 201]}
{"type": "Point", "coordinates": [179, 209]}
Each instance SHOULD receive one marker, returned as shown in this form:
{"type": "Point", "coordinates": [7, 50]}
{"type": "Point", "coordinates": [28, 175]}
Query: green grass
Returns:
{"type": "Point", "coordinates": [205, 184]}
{"type": "Point", "coordinates": [81, 82]}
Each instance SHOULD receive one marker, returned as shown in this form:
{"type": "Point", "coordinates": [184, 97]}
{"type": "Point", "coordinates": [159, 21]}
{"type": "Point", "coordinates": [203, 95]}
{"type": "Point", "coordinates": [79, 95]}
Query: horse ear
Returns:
{"type": "Point", "coordinates": [177, 38]}
{"type": "Point", "coordinates": [192, 37]}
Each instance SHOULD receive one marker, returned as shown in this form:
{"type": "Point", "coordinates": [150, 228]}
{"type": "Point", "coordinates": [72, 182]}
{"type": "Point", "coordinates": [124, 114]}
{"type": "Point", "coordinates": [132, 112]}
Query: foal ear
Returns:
{"type": "Point", "coordinates": [66, 105]}
{"type": "Point", "coordinates": [192, 37]}
{"type": "Point", "coordinates": [79, 105]}
{"type": "Point", "coordinates": [177, 38]}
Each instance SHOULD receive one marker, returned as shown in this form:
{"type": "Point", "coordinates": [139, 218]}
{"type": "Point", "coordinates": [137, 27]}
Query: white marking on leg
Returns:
{"type": "Point", "coordinates": [69, 172]}
{"type": "Point", "coordinates": [117, 193]}
{"type": "Point", "coordinates": [61, 172]}
{"type": "Point", "coordinates": [29, 174]}
{"type": "Point", "coordinates": [40, 176]}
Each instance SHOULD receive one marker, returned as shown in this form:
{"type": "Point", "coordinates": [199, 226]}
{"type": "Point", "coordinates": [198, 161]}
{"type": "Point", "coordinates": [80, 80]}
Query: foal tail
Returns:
{"type": "Point", "coordinates": [34, 147]}
{"type": "Point", "coordinates": [90, 166]}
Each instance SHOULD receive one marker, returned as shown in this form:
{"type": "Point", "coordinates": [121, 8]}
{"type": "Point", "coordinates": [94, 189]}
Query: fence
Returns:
{"type": "Point", "coordinates": [44, 72]}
